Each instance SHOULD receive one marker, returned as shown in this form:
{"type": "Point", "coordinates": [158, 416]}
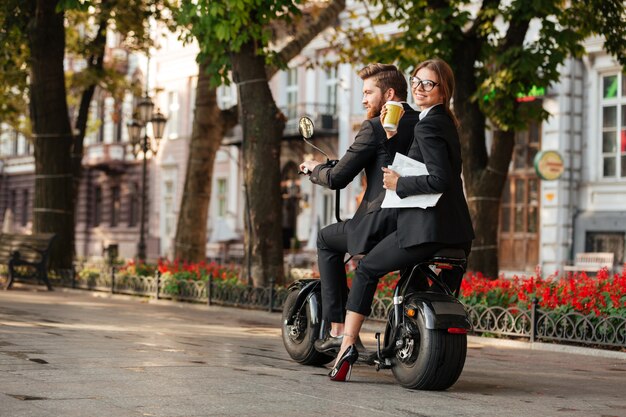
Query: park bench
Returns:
{"type": "Point", "coordinates": [26, 252]}
{"type": "Point", "coordinates": [591, 262]}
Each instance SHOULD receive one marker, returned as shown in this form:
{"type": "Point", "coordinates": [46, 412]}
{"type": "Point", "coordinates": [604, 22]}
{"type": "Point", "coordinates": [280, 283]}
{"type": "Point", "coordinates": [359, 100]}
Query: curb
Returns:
{"type": "Point", "coordinates": [373, 327]}
{"type": "Point", "coordinates": [547, 347]}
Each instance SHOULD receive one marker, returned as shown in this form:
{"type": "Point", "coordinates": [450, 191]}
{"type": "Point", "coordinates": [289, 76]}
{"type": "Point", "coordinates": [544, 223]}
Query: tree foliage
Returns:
{"type": "Point", "coordinates": [236, 39]}
{"type": "Point", "coordinates": [508, 56]}
{"type": "Point", "coordinates": [14, 55]}
{"type": "Point", "coordinates": [498, 50]}
{"type": "Point", "coordinates": [38, 38]}
{"type": "Point", "coordinates": [223, 28]}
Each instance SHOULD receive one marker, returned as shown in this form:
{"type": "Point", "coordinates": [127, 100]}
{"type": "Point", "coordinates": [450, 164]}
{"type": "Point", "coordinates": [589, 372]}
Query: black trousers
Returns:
{"type": "Point", "coordinates": [385, 257]}
{"type": "Point", "coordinates": [332, 246]}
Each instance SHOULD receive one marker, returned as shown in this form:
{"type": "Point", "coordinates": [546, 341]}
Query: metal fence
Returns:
{"type": "Point", "coordinates": [534, 324]}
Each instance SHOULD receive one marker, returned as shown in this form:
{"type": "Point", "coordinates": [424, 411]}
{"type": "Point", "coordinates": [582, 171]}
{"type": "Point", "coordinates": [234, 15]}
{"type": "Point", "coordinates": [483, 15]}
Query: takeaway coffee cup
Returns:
{"type": "Point", "coordinates": [394, 109]}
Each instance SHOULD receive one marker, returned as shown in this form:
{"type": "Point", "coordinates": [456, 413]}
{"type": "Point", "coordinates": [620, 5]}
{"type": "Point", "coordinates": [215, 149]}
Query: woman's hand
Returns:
{"type": "Point", "coordinates": [390, 179]}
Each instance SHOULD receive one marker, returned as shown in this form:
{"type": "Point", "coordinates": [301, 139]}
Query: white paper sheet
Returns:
{"type": "Point", "coordinates": [408, 167]}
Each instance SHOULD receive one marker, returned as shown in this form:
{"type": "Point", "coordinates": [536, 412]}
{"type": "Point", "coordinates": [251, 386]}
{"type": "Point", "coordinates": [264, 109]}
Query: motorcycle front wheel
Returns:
{"type": "Point", "coordinates": [428, 359]}
{"type": "Point", "coordinates": [299, 337]}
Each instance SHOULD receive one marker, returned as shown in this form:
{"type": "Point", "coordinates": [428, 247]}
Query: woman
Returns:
{"type": "Point", "coordinates": [420, 232]}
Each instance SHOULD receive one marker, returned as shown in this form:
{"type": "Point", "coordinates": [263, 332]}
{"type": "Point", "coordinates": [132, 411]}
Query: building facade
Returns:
{"type": "Point", "coordinates": [542, 223]}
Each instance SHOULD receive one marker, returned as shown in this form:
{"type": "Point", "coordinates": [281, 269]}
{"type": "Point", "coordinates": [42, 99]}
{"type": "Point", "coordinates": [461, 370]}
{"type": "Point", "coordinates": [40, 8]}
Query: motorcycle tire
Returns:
{"type": "Point", "coordinates": [430, 359]}
{"type": "Point", "coordinates": [299, 337]}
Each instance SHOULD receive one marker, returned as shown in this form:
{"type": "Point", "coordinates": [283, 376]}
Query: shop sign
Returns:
{"type": "Point", "coordinates": [549, 165]}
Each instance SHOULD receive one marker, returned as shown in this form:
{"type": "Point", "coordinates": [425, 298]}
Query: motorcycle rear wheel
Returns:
{"type": "Point", "coordinates": [430, 359]}
{"type": "Point", "coordinates": [299, 337]}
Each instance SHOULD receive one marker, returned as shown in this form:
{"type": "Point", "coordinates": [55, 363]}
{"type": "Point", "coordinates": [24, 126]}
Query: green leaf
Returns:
{"type": "Point", "coordinates": [79, 5]}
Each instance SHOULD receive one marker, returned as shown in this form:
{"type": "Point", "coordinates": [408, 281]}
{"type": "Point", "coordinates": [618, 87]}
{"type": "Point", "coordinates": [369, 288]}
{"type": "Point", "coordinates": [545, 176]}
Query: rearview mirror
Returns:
{"type": "Point", "coordinates": [306, 127]}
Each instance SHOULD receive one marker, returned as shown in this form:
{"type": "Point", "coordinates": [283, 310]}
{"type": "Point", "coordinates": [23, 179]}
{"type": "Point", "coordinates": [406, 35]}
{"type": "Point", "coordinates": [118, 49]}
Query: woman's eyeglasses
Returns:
{"type": "Point", "coordinates": [427, 85]}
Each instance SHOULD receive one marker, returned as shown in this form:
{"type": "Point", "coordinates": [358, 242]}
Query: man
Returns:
{"type": "Point", "coordinates": [371, 151]}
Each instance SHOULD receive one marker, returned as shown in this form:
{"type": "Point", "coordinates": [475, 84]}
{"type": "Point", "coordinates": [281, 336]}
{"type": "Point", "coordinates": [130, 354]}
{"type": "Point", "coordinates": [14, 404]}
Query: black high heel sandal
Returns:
{"type": "Point", "coordinates": [342, 371]}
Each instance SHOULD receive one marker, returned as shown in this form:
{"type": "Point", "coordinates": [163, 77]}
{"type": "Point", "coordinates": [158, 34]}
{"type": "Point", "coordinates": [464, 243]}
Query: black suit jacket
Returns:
{"type": "Point", "coordinates": [437, 145]}
{"type": "Point", "coordinates": [370, 151]}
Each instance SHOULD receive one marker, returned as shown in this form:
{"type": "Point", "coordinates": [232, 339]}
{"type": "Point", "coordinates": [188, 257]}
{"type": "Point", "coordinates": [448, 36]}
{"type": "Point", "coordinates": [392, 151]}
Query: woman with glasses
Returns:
{"type": "Point", "coordinates": [420, 232]}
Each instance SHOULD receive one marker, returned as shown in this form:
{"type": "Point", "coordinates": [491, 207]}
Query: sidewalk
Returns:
{"type": "Point", "coordinates": [75, 353]}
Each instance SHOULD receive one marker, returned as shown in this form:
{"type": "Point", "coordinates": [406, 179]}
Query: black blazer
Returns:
{"type": "Point", "coordinates": [436, 144]}
{"type": "Point", "coordinates": [370, 152]}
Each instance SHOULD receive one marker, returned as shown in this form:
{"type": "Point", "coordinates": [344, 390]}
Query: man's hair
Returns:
{"type": "Point", "coordinates": [386, 76]}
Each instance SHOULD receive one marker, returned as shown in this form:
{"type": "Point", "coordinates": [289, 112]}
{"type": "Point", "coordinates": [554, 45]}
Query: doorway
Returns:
{"type": "Point", "coordinates": [518, 247]}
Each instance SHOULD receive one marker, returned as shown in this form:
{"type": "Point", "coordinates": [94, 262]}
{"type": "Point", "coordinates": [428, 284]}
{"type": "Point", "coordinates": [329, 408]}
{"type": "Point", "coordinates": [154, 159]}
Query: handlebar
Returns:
{"type": "Point", "coordinates": [330, 163]}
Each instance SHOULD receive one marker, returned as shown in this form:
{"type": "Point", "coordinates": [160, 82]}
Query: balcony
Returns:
{"type": "Point", "coordinates": [106, 155]}
{"type": "Point", "coordinates": [323, 116]}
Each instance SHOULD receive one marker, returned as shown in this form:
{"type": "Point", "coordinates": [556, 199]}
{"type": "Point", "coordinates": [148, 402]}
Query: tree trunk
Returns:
{"type": "Point", "coordinates": [484, 174]}
{"type": "Point", "coordinates": [263, 126]}
{"type": "Point", "coordinates": [206, 136]}
{"type": "Point", "coordinates": [95, 63]}
{"type": "Point", "coordinates": [484, 195]}
{"type": "Point", "coordinates": [52, 208]}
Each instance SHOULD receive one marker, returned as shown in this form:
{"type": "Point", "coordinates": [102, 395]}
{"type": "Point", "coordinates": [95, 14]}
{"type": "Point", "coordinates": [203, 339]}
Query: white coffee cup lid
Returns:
{"type": "Point", "coordinates": [394, 103]}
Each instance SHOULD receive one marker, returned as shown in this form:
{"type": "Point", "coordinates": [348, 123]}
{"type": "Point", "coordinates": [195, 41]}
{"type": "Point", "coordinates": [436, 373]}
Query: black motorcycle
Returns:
{"type": "Point", "coordinates": [425, 338]}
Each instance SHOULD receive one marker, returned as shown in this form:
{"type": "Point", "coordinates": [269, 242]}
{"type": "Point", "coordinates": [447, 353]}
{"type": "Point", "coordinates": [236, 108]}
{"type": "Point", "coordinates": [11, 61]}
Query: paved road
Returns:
{"type": "Point", "coordinates": [76, 354]}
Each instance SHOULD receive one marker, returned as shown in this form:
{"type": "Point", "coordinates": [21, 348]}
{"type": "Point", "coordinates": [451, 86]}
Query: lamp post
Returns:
{"type": "Point", "coordinates": [143, 115]}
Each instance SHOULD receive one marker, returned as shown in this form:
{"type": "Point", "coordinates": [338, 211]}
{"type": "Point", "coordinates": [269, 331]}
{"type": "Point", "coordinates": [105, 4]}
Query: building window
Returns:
{"type": "Point", "coordinates": [15, 142]}
{"type": "Point", "coordinates": [328, 207]}
{"type": "Point", "coordinates": [133, 206]}
{"type": "Point", "coordinates": [193, 83]}
{"type": "Point", "coordinates": [13, 202]}
{"type": "Point", "coordinates": [330, 87]}
{"type": "Point", "coordinates": [292, 93]}
{"type": "Point", "coordinates": [222, 187]}
{"type": "Point", "coordinates": [606, 242]}
{"type": "Point", "coordinates": [614, 126]}
{"type": "Point", "coordinates": [116, 204]}
{"type": "Point", "coordinates": [100, 116]}
{"type": "Point", "coordinates": [526, 147]}
{"type": "Point", "coordinates": [25, 207]}
{"type": "Point", "coordinates": [97, 206]}
{"type": "Point", "coordinates": [173, 108]}
{"type": "Point", "coordinates": [118, 122]}
{"type": "Point", "coordinates": [168, 204]}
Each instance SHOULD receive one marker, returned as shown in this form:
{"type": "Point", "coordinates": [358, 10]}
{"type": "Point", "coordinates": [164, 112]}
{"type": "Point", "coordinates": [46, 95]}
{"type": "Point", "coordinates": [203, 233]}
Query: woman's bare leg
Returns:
{"type": "Point", "coordinates": [351, 330]}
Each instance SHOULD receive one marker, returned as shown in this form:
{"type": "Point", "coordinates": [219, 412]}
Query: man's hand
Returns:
{"type": "Point", "coordinates": [390, 179]}
{"type": "Point", "coordinates": [307, 167]}
{"type": "Point", "coordinates": [383, 112]}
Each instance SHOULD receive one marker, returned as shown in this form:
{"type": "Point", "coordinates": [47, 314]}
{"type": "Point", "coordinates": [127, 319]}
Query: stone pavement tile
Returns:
{"type": "Point", "coordinates": [12, 407]}
{"type": "Point", "coordinates": [10, 365]}
{"type": "Point", "coordinates": [82, 407]}
{"type": "Point", "coordinates": [166, 360]}
{"type": "Point", "coordinates": [253, 404]}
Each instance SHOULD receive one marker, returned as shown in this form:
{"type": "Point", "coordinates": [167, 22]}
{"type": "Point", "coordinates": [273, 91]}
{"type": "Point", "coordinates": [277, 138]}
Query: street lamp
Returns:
{"type": "Point", "coordinates": [143, 115]}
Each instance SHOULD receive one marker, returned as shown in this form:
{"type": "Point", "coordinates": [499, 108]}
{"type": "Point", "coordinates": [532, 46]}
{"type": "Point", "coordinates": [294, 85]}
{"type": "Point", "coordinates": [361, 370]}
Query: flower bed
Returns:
{"type": "Point", "coordinates": [602, 295]}
{"type": "Point", "coordinates": [580, 309]}
{"type": "Point", "coordinates": [178, 274]}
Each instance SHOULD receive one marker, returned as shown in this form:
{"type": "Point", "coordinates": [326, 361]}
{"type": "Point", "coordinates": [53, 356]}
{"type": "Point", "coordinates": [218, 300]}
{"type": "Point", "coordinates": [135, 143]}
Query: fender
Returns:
{"type": "Point", "coordinates": [308, 289]}
{"type": "Point", "coordinates": [440, 311]}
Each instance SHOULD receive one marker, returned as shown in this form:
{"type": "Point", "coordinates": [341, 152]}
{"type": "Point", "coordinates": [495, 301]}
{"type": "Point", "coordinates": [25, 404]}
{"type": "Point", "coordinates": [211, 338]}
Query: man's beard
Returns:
{"type": "Point", "coordinates": [375, 111]}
